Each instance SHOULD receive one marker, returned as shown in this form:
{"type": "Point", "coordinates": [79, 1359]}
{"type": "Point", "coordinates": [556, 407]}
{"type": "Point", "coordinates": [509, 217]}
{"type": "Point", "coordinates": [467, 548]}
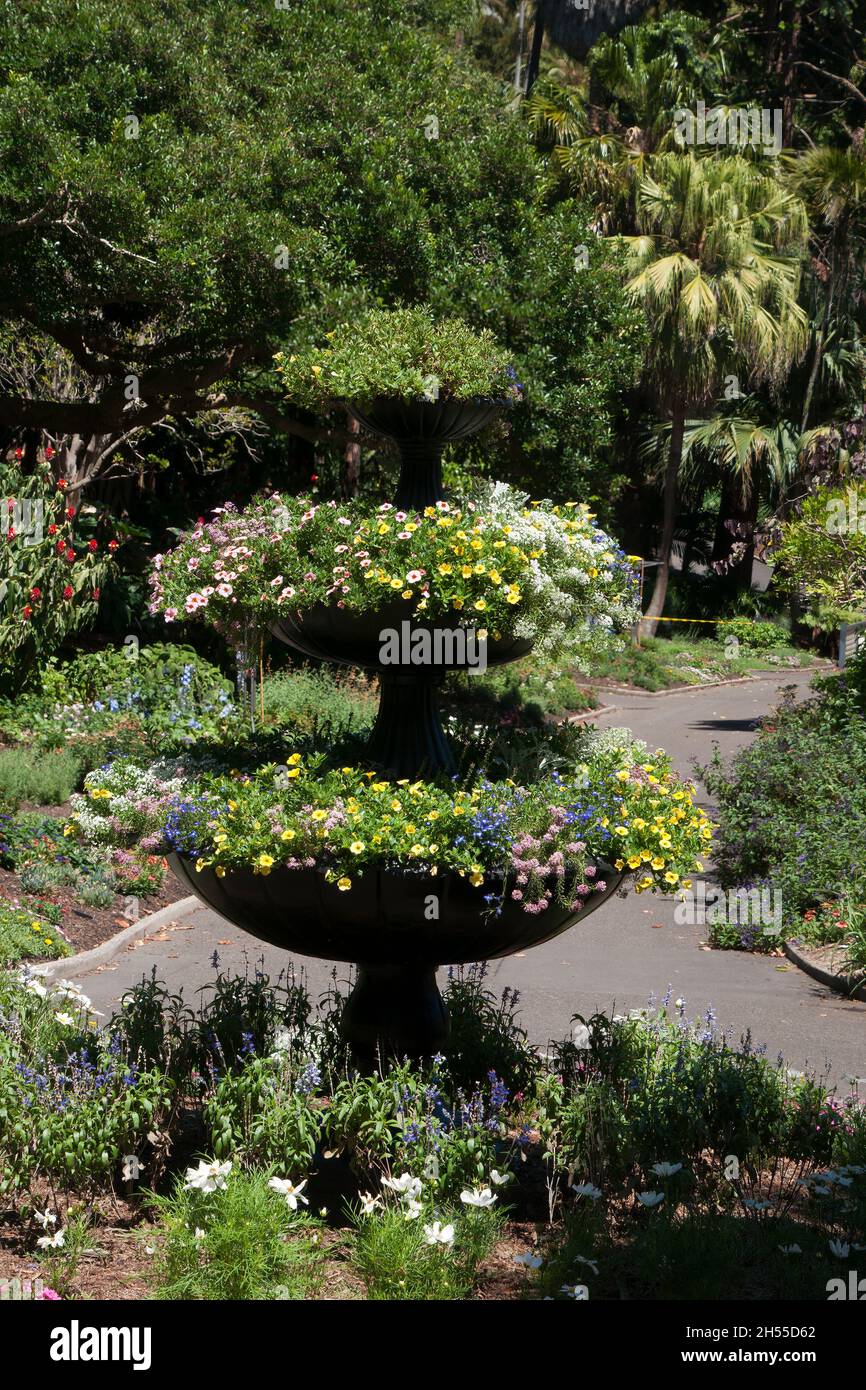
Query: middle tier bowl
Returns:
{"type": "Point", "coordinates": [329, 633]}
{"type": "Point", "coordinates": [383, 918]}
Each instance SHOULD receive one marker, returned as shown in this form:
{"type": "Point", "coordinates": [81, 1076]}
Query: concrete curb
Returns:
{"type": "Point", "coordinates": [852, 986]}
{"type": "Point", "coordinates": [580, 715]}
{"type": "Point", "coordinates": [690, 689]}
{"type": "Point", "coordinates": [107, 950]}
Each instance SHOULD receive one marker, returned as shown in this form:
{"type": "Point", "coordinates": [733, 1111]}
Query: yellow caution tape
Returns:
{"type": "Point", "coordinates": [649, 619]}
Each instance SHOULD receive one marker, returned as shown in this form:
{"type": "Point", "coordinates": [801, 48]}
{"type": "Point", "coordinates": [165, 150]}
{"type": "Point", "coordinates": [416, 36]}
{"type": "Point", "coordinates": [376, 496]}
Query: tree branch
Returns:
{"type": "Point", "coordinates": [833, 77]}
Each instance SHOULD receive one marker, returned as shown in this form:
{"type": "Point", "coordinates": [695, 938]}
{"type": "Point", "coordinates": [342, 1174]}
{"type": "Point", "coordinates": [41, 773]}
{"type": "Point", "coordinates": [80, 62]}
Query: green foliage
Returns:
{"type": "Point", "coordinates": [308, 700]}
{"type": "Point", "coordinates": [27, 775]}
{"type": "Point", "coordinates": [51, 570]}
{"type": "Point", "coordinates": [397, 1262]}
{"type": "Point", "coordinates": [263, 1115]}
{"type": "Point", "coordinates": [239, 1242]}
{"type": "Point", "coordinates": [72, 1104]}
{"type": "Point", "coordinates": [759, 636]}
{"type": "Point", "coordinates": [27, 931]}
{"type": "Point", "coordinates": [824, 548]}
{"type": "Point", "coordinates": [792, 804]}
{"type": "Point", "coordinates": [405, 353]}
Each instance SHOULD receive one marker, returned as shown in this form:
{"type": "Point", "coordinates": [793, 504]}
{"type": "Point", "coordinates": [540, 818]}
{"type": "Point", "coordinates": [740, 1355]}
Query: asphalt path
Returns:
{"type": "Point", "coordinates": [623, 957]}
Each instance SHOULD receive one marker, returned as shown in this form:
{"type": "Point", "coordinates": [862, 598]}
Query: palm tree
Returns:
{"type": "Point", "coordinates": [832, 183]}
{"type": "Point", "coordinates": [716, 267]}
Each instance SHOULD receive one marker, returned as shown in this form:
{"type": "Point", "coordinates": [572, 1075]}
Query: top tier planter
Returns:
{"type": "Point", "coordinates": [421, 429]}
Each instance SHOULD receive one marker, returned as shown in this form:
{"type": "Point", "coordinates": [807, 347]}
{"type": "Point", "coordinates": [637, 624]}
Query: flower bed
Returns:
{"type": "Point", "coordinates": [497, 562]}
{"type": "Point", "coordinates": [544, 836]}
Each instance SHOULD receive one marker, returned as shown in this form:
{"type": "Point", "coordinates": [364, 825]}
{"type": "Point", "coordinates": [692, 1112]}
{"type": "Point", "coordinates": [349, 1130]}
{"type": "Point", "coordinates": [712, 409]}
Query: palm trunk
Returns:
{"type": "Point", "coordinates": [672, 473]}
{"type": "Point", "coordinates": [351, 462]}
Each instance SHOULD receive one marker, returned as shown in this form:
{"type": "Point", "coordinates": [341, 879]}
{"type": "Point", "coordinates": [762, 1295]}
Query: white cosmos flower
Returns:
{"type": "Point", "coordinates": [406, 1185]}
{"type": "Point", "coordinates": [207, 1177]}
{"type": "Point", "coordinates": [529, 1261]}
{"type": "Point", "coordinates": [369, 1203]}
{"type": "Point", "coordinates": [499, 1179]}
{"type": "Point", "coordinates": [841, 1248]}
{"type": "Point", "coordinates": [55, 1242]}
{"type": "Point", "coordinates": [411, 1209]}
{"type": "Point", "coordinates": [586, 1189]}
{"type": "Point", "coordinates": [287, 1189]}
{"type": "Point", "coordinates": [66, 1019]}
{"type": "Point", "coordinates": [45, 1219]}
{"type": "Point", "coordinates": [436, 1234]}
{"type": "Point", "coordinates": [574, 1291]}
{"type": "Point", "coordinates": [34, 987]}
{"type": "Point", "coordinates": [754, 1204]}
{"type": "Point", "coordinates": [665, 1170]}
{"type": "Point", "coordinates": [650, 1199]}
{"type": "Point", "coordinates": [481, 1197]}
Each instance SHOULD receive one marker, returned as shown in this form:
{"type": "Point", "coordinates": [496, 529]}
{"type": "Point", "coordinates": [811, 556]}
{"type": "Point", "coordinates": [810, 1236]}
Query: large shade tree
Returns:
{"type": "Point", "coordinates": [186, 188]}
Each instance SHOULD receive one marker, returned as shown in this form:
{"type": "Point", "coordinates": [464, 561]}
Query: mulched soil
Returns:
{"type": "Point", "coordinates": [117, 1264]}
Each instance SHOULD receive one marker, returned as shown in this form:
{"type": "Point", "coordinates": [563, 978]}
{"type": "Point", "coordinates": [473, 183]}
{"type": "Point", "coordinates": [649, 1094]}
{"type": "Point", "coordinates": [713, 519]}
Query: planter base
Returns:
{"type": "Point", "coordinates": [395, 1011]}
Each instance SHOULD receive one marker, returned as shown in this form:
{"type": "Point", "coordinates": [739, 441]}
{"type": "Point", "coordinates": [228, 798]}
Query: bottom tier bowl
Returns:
{"type": "Point", "coordinates": [397, 927]}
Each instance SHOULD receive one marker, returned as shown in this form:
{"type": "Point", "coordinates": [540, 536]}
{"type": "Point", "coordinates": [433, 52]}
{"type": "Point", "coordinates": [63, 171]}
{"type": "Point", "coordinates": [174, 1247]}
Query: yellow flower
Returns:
{"type": "Point", "coordinates": [344, 884]}
{"type": "Point", "coordinates": [658, 862]}
{"type": "Point", "coordinates": [294, 772]}
{"type": "Point", "coordinates": [634, 862]}
{"type": "Point", "coordinates": [445, 568]}
{"type": "Point", "coordinates": [480, 604]}
{"type": "Point", "coordinates": [356, 846]}
{"type": "Point", "coordinates": [35, 926]}
{"type": "Point", "coordinates": [476, 879]}
{"type": "Point", "coordinates": [220, 871]}
{"type": "Point", "coordinates": [620, 830]}
{"type": "Point", "coordinates": [294, 760]}
{"type": "Point", "coordinates": [645, 882]}
{"type": "Point", "coordinates": [457, 603]}
{"type": "Point", "coordinates": [319, 815]}
{"type": "Point", "coordinates": [288, 835]}
{"type": "Point", "coordinates": [264, 861]}
{"type": "Point", "coordinates": [619, 863]}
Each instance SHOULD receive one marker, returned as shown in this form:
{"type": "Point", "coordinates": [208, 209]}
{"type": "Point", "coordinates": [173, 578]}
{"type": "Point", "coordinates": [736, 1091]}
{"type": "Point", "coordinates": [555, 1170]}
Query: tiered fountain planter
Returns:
{"type": "Point", "coordinates": [385, 925]}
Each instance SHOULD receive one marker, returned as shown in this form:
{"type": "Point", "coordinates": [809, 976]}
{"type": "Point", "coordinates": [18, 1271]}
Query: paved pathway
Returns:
{"type": "Point", "coordinates": [617, 959]}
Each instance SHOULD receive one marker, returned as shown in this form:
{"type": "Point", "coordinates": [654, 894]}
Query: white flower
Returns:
{"type": "Point", "coordinates": [369, 1204]}
{"type": "Point", "coordinates": [55, 1242]}
{"type": "Point", "coordinates": [580, 1036]}
{"type": "Point", "coordinates": [207, 1177]}
{"type": "Point", "coordinates": [790, 1249]}
{"type": "Point", "coordinates": [287, 1189]}
{"type": "Point", "coordinates": [45, 1219]}
{"type": "Point", "coordinates": [840, 1248]}
{"type": "Point", "coordinates": [34, 987]}
{"type": "Point", "coordinates": [650, 1199]}
{"type": "Point", "coordinates": [529, 1261]}
{"type": "Point", "coordinates": [66, 1019]}
{"type": "Point", "coordinates": [481, 1197]}
{"type": "Point", "coordinates": [198, 1234]}
{"type": "Point", "coordinates": [499, 1179]}
{"type": "Point", "coordinates": [754, 1205]}
{"type": "Point", "coordinates": [411, 1208]}
{"type": "Point", "coordinates": [586, 1189]}
{"type": "Point", "coordinates": [665, 1170]}
{"type": "Point", "coordinates": [574, 1291]}
{"type": "Point", "coordinates": [406, 1185]}
{"type": "Point", "coordinates": [436, 1234]}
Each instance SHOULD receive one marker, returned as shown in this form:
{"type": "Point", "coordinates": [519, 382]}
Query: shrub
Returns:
{"type": "Point", "coordinates": [400, 352]}
{"type": "Point", "coordinates": [264, 1115]}
{"type": "Point", "coordinates": [308, 700]}
{"type": "Point", "coordinates": [240, 1241]}
{"type": "Point", "coordinates": [399, 1259]}
{"type": "Point", "coordinates": [759, 635]}
{"type": "Point", "coordinates": [28, 775]}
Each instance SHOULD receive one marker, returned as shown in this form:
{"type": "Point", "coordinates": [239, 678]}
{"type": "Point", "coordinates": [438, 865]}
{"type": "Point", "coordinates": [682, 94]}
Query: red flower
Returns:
{"type": "Point", "coordinates": [62, 483]}
{"type": "Point", "coordinates": [49, 452]}
{"type": "Point", "coordinates": [314, 477]}
{"type": "Point", "coordinates": [18, 453]}
{"type": "Point", "coordinates": [68, 591]}
{"type": "Point", "coordinates": [10, 504]}
{"type": "Point", "coordinates": [27, 611]}
{"type": "Point", "coordinates": [10, 534]}
{"type": "Point", "coordinates": [52, 529]}
{"type": "Point", "coordinates": [70, 512]}
{"type": "Point", "coordinates": [91, 545]}
{"type": "Point", "coordinates": [112, 545]}
{"type": "Point", "coordinates": [35, 593]}
{"type": "Point", "coordinates": [96, 595]}
{"type": "Point", "coordinates": [61, 546]}
{"type": "Point", "coordinates": [70, 554]}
